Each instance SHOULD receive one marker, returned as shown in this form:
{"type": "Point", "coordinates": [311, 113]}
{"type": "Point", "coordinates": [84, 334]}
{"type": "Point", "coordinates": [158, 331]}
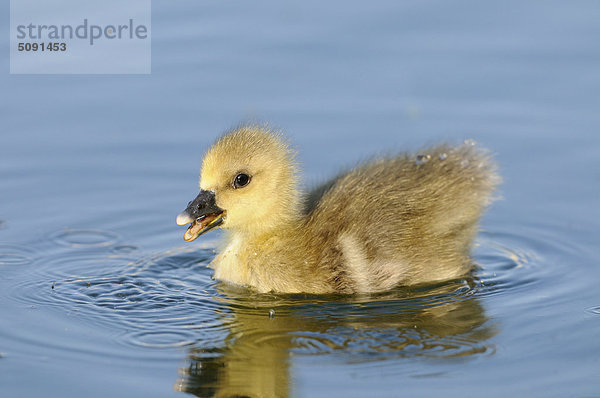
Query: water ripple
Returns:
{"type": "Point", "coordinates": [85, 238]}
{"type": "Point", "coordinates": [15, 255]}
{"type": "Point", "coordinates": [162, 339]}
{"type": "Point", "coordinates": [169, 300]}
{"type": "Point", "coordinates": [507, 263]}
{"type": "Point", "coordinates": [594, 310]}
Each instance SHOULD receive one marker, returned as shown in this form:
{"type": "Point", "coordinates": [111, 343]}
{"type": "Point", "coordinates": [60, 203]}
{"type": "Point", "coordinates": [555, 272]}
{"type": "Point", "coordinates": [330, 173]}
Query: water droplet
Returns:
{"type": "Point", "coordinates": [271, 314]}
{"type": "Point", "coordinates": [255, 253]}
{"type": "Point", "coordinates": [422, 159]}
{"type": "Point", "coordinates": [470, 142]}
{"type": "Point", "coordinates": [443, 156]}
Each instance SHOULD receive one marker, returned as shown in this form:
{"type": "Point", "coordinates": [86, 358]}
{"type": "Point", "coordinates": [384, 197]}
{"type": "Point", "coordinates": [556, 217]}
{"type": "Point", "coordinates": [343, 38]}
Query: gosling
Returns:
{"type": "Point", "coordinates": [402, 220]}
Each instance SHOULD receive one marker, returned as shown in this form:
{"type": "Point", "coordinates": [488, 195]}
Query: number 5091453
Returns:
{"type": "Point", "coordinates": [42, 46]}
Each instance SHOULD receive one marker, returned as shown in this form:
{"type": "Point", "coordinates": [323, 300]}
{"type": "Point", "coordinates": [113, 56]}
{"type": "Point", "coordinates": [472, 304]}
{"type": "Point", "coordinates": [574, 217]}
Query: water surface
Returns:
{"type": "Point", "coordinates": [100, 295]}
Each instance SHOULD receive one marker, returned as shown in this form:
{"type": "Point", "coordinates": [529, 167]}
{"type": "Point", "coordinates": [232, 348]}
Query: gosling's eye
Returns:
{"type": "Point", "coordinates": [241, 180]}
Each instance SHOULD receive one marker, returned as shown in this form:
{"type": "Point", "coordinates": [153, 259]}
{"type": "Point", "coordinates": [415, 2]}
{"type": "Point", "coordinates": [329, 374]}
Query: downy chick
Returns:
{"type": "Point", "coordinates": [399, 220]}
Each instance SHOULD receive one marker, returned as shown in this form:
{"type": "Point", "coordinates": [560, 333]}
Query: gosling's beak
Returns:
{"type": "Point", "coordinates": [203, 213]}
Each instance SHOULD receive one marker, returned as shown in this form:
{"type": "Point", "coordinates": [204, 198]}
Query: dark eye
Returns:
{"type": "Point", "coordinates": [241, 180]}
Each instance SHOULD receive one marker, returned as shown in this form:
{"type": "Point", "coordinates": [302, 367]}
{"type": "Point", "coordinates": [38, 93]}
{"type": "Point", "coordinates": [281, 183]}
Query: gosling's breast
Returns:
{"type": "Point", "coordinates": [229, 264]}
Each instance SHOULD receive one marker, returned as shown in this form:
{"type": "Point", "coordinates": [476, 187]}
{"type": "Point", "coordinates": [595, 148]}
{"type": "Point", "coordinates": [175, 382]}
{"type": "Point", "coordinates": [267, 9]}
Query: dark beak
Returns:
{"type": "Point", "coordinates": [203, 214]}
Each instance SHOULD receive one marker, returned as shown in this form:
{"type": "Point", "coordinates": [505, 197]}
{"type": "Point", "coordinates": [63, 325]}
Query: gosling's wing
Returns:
{"type": "Point", "coordinates": [408, 209]}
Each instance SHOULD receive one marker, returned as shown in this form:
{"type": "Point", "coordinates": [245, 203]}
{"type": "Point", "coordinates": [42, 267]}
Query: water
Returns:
{"type": "Point", "coordinates": [100, 295]}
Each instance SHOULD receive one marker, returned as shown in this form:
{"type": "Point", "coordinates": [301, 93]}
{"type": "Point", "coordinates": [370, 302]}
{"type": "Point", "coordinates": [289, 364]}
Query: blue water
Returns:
{"type": "Point", "coordinates": [100, 295]}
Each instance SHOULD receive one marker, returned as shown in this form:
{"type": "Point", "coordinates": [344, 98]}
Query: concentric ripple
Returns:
{"type": "Point", "coordinates": [14, 255]}
{"type": "Point", "coordinates": [168, 300]}
{"type": "Point", "coordinates": [85, 238]}
{"type": "Point", "coordinates": [151, 300]}
{"type": "Point", "coordinates": [155, 299]}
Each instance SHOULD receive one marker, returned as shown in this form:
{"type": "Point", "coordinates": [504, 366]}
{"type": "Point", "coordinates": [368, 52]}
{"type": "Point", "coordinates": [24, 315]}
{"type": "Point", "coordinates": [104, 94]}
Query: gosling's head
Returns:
{"type": "Point", "coordinates": [247, 184]}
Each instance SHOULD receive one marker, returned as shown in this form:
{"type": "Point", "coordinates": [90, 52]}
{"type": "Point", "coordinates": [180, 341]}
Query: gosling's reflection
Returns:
{"type": "Point", "coordinates": [254, 359]}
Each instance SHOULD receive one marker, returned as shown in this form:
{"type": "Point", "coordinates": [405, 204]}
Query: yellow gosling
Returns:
{"type": "Point", "coordinates": [400, 220]}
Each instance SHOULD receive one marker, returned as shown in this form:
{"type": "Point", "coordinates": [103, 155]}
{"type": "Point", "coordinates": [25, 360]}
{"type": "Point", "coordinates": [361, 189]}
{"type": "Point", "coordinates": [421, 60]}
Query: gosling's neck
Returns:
{"type": "Point", "coordinates": [253, 256]}
{"type": "Point", "coordinates": [275, 226]}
